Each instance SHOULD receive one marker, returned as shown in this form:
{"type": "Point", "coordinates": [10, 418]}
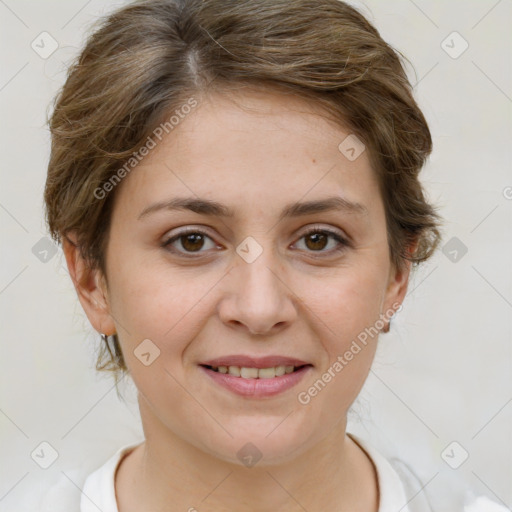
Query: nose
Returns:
{"type": "Point", "coordinates": [256, 298]}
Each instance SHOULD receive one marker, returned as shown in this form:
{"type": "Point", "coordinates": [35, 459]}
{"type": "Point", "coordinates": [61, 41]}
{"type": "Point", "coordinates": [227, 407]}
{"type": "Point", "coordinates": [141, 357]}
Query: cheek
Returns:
{"type": "Point", "coordinates": [157, 304]}
{"type": "Point", "coordinates": [347, 302]}
{"type": "Point", "coordinates": [345, 311]}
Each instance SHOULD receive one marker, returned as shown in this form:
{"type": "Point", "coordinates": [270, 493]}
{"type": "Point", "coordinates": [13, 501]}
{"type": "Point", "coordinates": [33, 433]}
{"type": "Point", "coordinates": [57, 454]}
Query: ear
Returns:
{"type": "Point", "coordinates": [90, 285]}
{"type": "Point", "coordinates": [398, 281]}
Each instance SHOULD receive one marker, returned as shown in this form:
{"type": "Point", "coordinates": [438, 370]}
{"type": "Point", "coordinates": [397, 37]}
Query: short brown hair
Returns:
{"type": "Point", "coordinates": [148, 58]}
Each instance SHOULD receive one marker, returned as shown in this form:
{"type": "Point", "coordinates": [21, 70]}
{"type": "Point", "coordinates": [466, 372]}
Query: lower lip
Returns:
{"type": "Point", "coordinates": [257, 388]}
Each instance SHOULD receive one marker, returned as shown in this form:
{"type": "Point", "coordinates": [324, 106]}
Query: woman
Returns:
{"type": "Point", "coordinates": [235, 185]}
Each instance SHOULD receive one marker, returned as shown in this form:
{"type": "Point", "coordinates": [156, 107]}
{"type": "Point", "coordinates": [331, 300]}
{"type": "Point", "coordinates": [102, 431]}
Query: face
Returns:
{"type": "Point", "coordinates": [274, 278]}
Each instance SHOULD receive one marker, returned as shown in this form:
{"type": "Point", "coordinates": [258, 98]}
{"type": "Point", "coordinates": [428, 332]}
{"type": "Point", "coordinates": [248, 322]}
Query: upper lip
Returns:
{"type": "Point", "coordinates": [254, 362]}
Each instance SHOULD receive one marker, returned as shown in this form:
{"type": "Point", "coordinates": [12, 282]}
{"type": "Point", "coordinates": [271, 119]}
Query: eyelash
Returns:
{"type": "Point", "coordinates": [343, 243]}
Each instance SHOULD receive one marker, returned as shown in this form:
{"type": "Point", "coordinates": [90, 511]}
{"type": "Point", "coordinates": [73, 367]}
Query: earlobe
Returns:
{"type": "Point", "coordinates": [395, 294]}
{"type": "Point", "coordinates": [397, 286]}
{"type": "Point", "coordinates": [90, 286]}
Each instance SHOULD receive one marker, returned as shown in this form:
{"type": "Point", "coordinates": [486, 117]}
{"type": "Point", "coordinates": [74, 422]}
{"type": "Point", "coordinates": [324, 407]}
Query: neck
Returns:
{"type": "Point", "coordinates": [335, 474]}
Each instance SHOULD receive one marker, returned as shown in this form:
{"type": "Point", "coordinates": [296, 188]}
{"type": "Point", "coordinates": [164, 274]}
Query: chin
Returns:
{"type": "Point", "coordinates": [268, 446]}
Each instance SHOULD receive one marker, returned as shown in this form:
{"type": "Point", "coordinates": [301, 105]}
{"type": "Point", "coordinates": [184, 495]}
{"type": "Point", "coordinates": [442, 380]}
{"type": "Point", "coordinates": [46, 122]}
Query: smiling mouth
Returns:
{"type": "Point", "coordinates": [255, 373]}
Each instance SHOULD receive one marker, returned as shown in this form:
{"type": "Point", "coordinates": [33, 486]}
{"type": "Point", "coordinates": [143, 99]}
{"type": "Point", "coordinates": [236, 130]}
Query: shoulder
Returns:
{"type": "Point", "coordinates": [61, 495]}
{"type": "Point", "coordinates": [82, 490]}
{"type": "Point", "coordinates": [400, 488]}
{"type": "Point", "coordinates": [395, 480]}
{"type": "Point", "coordinates": [99, 489]}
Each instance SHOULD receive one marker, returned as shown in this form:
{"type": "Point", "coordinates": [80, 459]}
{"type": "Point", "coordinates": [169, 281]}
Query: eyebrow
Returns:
{"type": "Point", "coordinates": [297, 209]}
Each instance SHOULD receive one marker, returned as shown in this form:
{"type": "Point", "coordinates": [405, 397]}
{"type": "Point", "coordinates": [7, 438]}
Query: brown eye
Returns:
{"type": "Point", "coordinates": [316, 240]}
{"type": "Point", "coordinates": [188, 241]}
{"type": "Point", "coordinates": [192, 242]}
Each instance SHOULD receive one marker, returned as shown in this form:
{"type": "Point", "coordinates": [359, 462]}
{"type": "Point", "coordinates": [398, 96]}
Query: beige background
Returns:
{"type": "Point", "coordinates": [443, 374]}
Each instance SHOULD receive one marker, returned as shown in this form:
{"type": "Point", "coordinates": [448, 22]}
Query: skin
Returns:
{"type": "Point", "coordinates": [255, 152]}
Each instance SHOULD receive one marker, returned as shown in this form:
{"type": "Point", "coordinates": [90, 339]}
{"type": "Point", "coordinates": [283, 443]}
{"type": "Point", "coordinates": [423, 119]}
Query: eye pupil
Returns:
{"type": "Point", "coordinates": [195, 238]}
{"type": "Point", "coordinates": [315, 237]}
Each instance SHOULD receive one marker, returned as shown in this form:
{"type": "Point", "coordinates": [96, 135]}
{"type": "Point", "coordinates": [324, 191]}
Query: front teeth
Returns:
{"type": "Point", "coordinates": [254, 373]}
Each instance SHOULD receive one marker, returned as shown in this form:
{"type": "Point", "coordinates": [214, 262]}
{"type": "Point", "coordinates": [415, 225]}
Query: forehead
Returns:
{"type": "Point", "coordinates": [253, 147]}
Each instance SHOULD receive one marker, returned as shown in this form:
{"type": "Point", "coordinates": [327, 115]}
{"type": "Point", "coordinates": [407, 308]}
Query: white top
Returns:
{"type": "Point", "coordinates": [99, 492]}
